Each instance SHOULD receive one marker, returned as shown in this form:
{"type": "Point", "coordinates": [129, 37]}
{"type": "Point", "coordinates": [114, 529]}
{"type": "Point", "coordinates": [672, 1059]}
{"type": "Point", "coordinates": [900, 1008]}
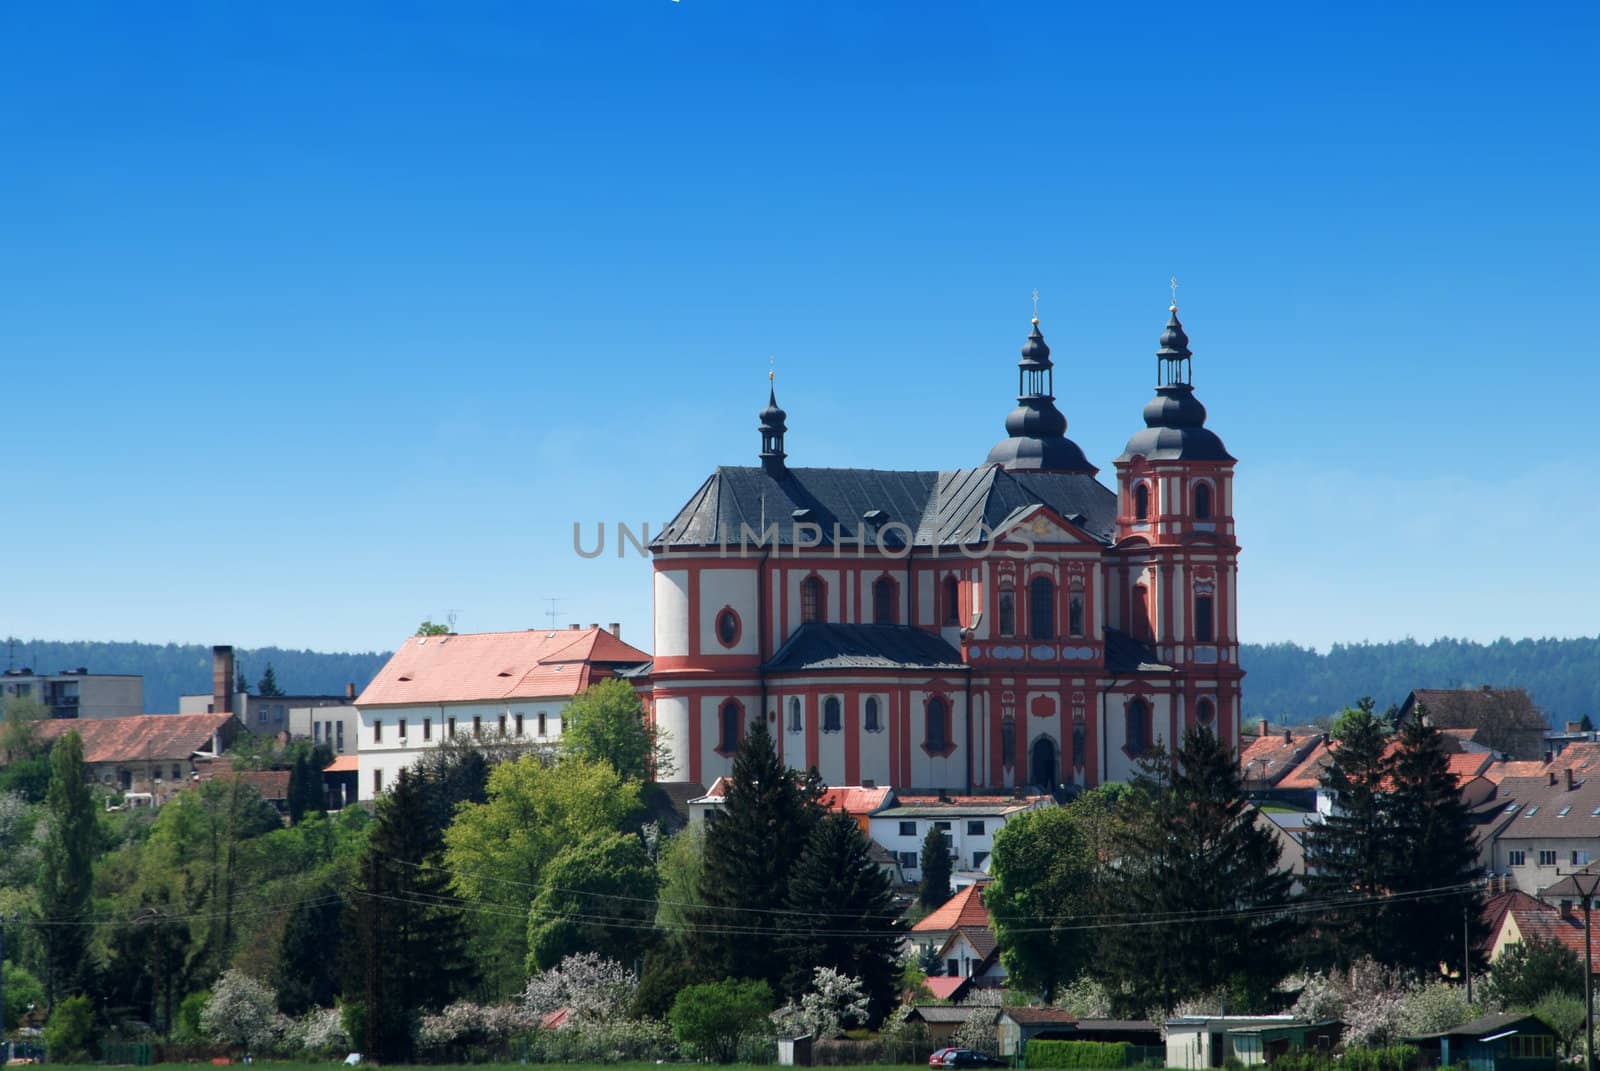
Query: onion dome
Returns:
{"type": "Point", "coordinates": [1036, 429]}
{"type": "Point", "coordinates": [774, 422]}
{"type": "Point", "coordinates": [1174, 419]}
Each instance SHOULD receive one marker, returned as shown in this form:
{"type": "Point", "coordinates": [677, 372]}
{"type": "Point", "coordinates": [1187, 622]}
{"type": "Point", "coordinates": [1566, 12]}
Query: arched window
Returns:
{"type": "Point", "coordinates": [831, 721]}
{"type": "Point", "coordinates": [938, 734]}
{"type": "Point", "coordinates": [1202, 501]}
{"type": "Point", "coordinates": [1041, 609]}
{"type": "Point", "coordinates": [1008, 741]}
{"type": "Point", "coordinates": [885, 601]}
{"type": "Point", "coordinates": [797, 722]}
{"type": "Point", "coordinates": [1204, 620]}
{"type": "Point", "coordinates": [727, 627]}
{"type": "Point", "coordinates": [1008, 612]}
{"type": "Point", "coordinates": [813, 596]}
{"type": "Point", "coordinates": [869, 716]}
{"type": "Point", "coordinates": [1205, 713]}
{"type": "Point", "coordinates": [952, 601]}
{"type": "Point", "coordinates": [1138, 726]}
{"type": "Point", "coordinates": [1141, 501]}
{"type": "Point", "coordinates": [1075, 613]}
{"type": "Point", "coordinates": [728, 731]}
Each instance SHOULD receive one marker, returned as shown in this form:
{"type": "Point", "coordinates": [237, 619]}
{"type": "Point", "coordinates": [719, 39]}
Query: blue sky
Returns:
{"type": "Point", "coordinates": [316, 320]}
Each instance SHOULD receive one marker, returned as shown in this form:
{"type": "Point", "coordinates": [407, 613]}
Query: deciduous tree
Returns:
{"type": "Point", "coordinates": [607, 724]}
{"type": "Point", "coordinates": [1043, 887]}
{"type": "Point", "coordinates": [597, 895]}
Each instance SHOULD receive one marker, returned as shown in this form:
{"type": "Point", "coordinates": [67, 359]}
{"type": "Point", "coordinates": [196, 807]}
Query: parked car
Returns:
{"type": "Point", "coordinates": [947, 1058]}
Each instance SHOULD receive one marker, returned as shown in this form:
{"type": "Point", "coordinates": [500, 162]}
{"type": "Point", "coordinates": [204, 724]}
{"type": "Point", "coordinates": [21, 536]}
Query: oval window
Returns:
{"type": "Point", "coordinates": [727, 628]}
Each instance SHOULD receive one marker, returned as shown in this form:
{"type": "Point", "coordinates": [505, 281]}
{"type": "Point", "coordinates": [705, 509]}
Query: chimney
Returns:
{"type": "Point", "coordinates": [221, 679]}
{"type": "Point", "coordinates": [1566, 909]}
{"type": "Point", "coordinates": [350, 690]}
{"type": "Point", "coordinates": [1288, 737]}
{"type": "Point", "coordinates": [1570, 783]}
{"type": "Point", "coordinates": [574, 626]}
{"type": "Point", "coordinates": [867, 782]}
{"type": "Point", "coordinates": [1265, 728]}
{"type": "Point", "coordinates": [615, 628]}
{"type": "Point", "coordinates": [594, 624]}
{"type": "Point", "coordinates": [1552, 776]}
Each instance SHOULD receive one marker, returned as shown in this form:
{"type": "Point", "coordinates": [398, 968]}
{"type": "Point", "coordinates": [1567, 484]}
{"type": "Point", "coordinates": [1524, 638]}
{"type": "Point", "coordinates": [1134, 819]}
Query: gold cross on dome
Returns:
{"type": "Point", "coordinates": [1036, 303]}
{"type": "Point", "coordinates": [1174, 291]}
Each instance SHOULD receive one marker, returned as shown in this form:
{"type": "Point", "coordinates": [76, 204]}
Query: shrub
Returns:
{"type": "Point", "coordinates": [1100, 1054]}
{"type": "Point", "coordinates": [241, 1011]}
{"type": "Point", "coordinates": [69, 1035]}
{"type": "Point", "coordinates": [716, 1017]}
{"type": "Point", "coordinates": [187, 1028]}
{"type": "Point", "coordinates": [609, 1042]}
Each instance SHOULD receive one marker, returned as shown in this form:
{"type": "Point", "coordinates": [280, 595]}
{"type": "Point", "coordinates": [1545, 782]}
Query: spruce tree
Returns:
{"type": "Point", "coordinates": [1432, 856]}
{"type": "Point", "coordinates": [751, 846]}
{"type": "Point", "coordinates": [1197, 885]}
{"type": "Point", "coordinates": [841, 914]}
{"type": "Point", "coordinates": [1346, 858]}
{"type": "Point", "coordinates": [66, 872]}
{"type": "Point", "coordinates": [411, 946]}
{"type": "Point", "coordinates": [935, 869]}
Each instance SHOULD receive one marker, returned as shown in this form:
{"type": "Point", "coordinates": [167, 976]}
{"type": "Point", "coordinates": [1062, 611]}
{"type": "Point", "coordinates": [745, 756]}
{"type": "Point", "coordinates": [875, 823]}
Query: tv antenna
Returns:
{"type": "Point", "coordinates": [450, 618]}
{"type": "Point", "coordinates": [552, 612]}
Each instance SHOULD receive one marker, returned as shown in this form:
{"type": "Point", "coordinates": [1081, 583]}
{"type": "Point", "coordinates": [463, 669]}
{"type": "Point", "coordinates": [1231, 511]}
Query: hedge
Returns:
{"type": "Point", "coordinates": [1393, 1058]}
{"type": "Point", "coordinates": [1085, 1054]}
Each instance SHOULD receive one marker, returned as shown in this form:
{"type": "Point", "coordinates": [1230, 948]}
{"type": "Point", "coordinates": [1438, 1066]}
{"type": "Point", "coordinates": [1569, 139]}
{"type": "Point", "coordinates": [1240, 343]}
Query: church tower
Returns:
{"type": "Point", "coordinates": [1036, 429]}
{"type": "Point", "coordinates": [1176, 582]}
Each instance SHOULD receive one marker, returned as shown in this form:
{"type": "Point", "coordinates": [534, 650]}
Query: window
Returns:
{"type": "Point", "coordinates": [978, 859]}
{"type": "Point", "coordinates": [1204, 632]}
{"type": "Point", "coordinates": [1008, 612]}
{"type": "Point", "coordinates": [830, 715]}
{"type": "Point", "coordinates": [937, 736]}
{"type": "Point", "coordinates": [377, 730]}
{"type": "Point", "coordinates": [885, 601]}
{"type": "Point", "coordinates": [1137, 718]}
{"type": "Point", "coordinates": [1547, 857]}
{"type": "Point", "coordinates": [1141, 502]}
{"type": "Point", "coordinates": [952, 601]}
{"type": "Point", "coordinates": [908, 860]}
{"type": "Point", "coordinates": [943, 827]}
{"type": "Point", "coordinates": [316, 732]}
{"type": "Point", "coordinates": [450, 728]}
{"type": "Point", "coordinates": [1580, 858]}
{"type": "Point", "coordinates": [952, 968]}
{"type": "Point", "coordinates": [1008, 741]}
{"type": "Point", "coordinates": [1205, 712]}
{"type": "Point", "coordinates": [1075, 614]}
{"type": "Point", "coordinates": [908, 829]}
{"type": "Point", "coordinates": [1563, 812]}
{"type": "Point", "coordinates": [177, 775]}
{"type": "Point", "coordinates": [543, 723]}
{"type": "Point", "coordinates": [519, 724]}
{"type": "Point", "coordinates": [1516, 857]}
{"type": "Point", "coordinates": [975, 827]}
{"type": "Point", "coordinates": [502, 725]}
{"type": "Point", "coordinates": [1532, 1046]}
{"type": "Point", "coordinates": [427, 728]}
{"type": "Point", "coordinates": [1202, 501]}
{"type": "Point", "coordinates": [1078, 745]}
{"type": "Point", "coordinates": [728, 734]}
{"type": "Point", "coordinates": [1531, 811]}
{"type": "Point", "coordinates": [338, 729]}
{"type": "Point", "coordinates": [812, 596]}
{"type": "Point", "coordinates": [1041, 609]}
{"type": "Point", "coordinates": [477, 727]}
{"type": "Point", "coordinates": [797, 722]}
{"type": "Point", "coordinates": [869, 716]}
{"type": "Point", "coordinates": [377, 782]}
{"type": "Point", "coordinates": [402, 730]}
{"type": "Point", "coordinates": [728, 627]}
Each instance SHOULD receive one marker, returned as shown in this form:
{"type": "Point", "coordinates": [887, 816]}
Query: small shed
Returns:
{"type": "Point", "coordinates": [1018, 1026]}
{"type": "Point", "coordinates": [943, 1020]}
{"type": "Point", "coordinates": [1505, 1041]}
{"type": "Point", "coordinates": [1197, 1041]}
{"type": "Point", "coordinates": [1256, 1045]}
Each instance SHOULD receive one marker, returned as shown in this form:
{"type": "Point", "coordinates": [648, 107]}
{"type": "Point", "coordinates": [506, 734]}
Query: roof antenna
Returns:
{"type": "Point", "coordinates": [551, 613]}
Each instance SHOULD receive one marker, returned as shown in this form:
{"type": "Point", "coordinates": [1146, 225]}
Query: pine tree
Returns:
{"type": "Point", "coordinates": [1345, 851]}
{"type": "Point", "coordinates": [269, 683]}
{"type": "Point", "coordinates": [305, 976]}
{"type": "Point", "coordinates": [1430, 846]}
{"type": "Point", "coordinates": [1201, 880]}
{"type": "Point", "coordinates": [411, 947]}
{"type": "Point", "coordinates": [841, 914]}
{"type": "Point", "coordinates": [935, 869]}
{"type": "Point", "coordinates": [66, 872]}
{"type": "Point", "coordinates": [751, 845]}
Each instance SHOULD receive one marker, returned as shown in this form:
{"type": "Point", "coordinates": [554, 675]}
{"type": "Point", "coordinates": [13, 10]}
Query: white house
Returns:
{"type": "Point", "coordinates": [969, 821]}
{"type": "Point", "coordinates": [505, 686]}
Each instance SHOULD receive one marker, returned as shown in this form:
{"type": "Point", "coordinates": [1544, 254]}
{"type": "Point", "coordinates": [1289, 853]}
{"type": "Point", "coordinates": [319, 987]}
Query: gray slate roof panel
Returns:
{"type": "Point", "coordinates": [820, 645]}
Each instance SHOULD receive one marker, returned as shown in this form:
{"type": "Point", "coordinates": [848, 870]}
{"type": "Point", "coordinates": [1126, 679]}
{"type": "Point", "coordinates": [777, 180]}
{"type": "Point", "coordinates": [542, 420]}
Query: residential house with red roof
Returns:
{"type": "Point", "coordinates": [1506, 719]}
{"type": "Point", "coordinates": [961, 933]}
{"type": "Point", "coordinates": [1272, 756]}
{"type": "Point", "coordinates": [143, 755]}
{"type": "Point", "coordinates": [510, 687]}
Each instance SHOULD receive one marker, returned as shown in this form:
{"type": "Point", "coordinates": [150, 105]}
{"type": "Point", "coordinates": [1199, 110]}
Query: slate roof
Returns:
{"type": "Point", "coordinates": [1488, 1024]}
{"type": "Point", "coordinates": [139, 737]}
{"type": "Point", "coordinates": [824, 645]}
{"type": "Point", "coordinates": [955, 807]}
{"type": "Point", "coordinates": [487, 666]}
{"type": "Point", "coordinates": [1539, 806]}
{"type": "Point", "coordinates": [941, 508]}
{"type": "Point", "coordinates": [1476, 708]}
{"type": "Point", "coordinates": [944, 1013]}
{"type": "Point", "coordinates": [981, 938]}
{"type": "Point", "coordinates": [1039, 1016]}
{"type": "Point", "coordinates": [1124, 654]}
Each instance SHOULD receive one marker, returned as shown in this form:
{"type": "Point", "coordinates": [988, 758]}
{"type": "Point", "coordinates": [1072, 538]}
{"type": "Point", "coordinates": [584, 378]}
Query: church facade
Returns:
{"type": "Point", "coordinates": [1017, 623]}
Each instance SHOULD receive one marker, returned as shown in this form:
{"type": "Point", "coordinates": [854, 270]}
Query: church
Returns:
{"type": "Point", "coordinates": [1013, 624]}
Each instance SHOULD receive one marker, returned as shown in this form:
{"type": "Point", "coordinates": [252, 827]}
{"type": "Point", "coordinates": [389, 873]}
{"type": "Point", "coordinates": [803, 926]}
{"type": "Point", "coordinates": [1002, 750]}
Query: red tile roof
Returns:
{"type": "Point", "coordinates": [1549, 923]}
{"type": "Point", "coordinates": [853, 799]}
{"type": "Point", "coordinates": [1270, 758]}
{"type": "Point", "coordinates": [1309, 773]}
{"type": "Point", "coordinates": [480, 666]}
{"type": "Point", "coordinates": [965, 908]}
{"type": "Point", "coordinates": [945, 987]}
{"type": "Point", "coordinates": [344, 764]}
{"type": "Point", "coordinates": [1499, 771]}
{"type": "Point", "coordinates": [141, 737]}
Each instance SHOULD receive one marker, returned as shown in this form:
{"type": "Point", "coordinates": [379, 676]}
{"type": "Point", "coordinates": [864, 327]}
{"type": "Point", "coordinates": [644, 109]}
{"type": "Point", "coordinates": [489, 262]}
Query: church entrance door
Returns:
{"type": "Point", "coordinates": [1043, 765]}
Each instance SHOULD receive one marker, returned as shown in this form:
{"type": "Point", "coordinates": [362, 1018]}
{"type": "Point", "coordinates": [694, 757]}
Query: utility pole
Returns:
{"type": "Point", "coordinates": [5, 1051]}
{"type": "Point", "coordinates": [1587, 884]}
{"type": "Point", "coordinates": [1466, 949]}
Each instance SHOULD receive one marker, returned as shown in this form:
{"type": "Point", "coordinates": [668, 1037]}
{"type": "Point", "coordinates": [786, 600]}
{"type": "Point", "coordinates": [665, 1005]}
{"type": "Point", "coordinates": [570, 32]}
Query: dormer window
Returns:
{"type": "Point", "coordinates": [1202, 501]}
{"type": "Point", "coordinates": [1141, 502]}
